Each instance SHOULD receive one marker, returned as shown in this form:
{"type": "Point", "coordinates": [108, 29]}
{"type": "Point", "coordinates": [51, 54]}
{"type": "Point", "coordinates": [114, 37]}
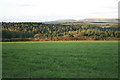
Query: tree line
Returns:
{"type": "Point", "coordinates": [23, 31]}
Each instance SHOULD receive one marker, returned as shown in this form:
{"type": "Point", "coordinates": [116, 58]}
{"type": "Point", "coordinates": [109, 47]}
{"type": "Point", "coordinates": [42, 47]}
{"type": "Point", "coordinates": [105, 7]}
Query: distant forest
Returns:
{"type": "Point", "coordinates": [34, 31]}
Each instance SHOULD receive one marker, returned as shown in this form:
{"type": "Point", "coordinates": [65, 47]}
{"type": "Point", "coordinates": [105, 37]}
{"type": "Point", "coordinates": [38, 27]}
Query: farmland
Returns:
{"type": "Point", "coordinates": [60, 59]}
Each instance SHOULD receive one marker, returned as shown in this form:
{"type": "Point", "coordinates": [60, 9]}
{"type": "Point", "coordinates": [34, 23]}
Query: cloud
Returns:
{"type": "Point", "coordinates": [24, 5]}
{"type": "Point", "coordinates": [55, 9]}
{"type": "Point", "coordinates": [111, 7]}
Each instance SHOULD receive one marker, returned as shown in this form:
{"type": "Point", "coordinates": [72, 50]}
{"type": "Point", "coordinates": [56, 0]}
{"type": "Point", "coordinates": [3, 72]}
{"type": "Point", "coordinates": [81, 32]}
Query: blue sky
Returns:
{"type": "Point", "coordinates": [48, 10]}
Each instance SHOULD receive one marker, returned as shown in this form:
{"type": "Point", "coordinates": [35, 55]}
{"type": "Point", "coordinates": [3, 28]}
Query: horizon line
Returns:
{"type": "Point", "coordinates": [56, 20]}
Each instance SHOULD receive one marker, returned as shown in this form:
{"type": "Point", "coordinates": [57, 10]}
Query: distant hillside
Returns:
{"type": "Point", "coordinates": [61, 21]}
{"type": "Point", "coordinates": [65, 20]}
{"type": "Point", "coordinates": [98, 20]}
{"type": "Point", "coordinates": [88, 20]}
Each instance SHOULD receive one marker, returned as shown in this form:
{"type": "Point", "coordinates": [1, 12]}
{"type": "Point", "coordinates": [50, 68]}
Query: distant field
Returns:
{"type": "Point", "coordinates": [105, 26]}
{"type": "Point", "coordinates": [60, 59]}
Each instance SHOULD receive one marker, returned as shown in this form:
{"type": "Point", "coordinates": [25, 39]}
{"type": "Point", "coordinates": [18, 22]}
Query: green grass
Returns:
{"type": "Point", "coordinates": [60, 59]}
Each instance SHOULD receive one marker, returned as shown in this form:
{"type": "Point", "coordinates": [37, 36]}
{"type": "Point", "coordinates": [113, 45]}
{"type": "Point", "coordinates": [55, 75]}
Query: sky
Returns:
{"type": "Point", "coordinates": [49, 10]}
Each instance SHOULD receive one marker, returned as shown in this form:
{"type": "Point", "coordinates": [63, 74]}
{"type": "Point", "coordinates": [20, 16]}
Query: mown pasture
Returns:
{"type": "Point", "coordinates": [60, 59]}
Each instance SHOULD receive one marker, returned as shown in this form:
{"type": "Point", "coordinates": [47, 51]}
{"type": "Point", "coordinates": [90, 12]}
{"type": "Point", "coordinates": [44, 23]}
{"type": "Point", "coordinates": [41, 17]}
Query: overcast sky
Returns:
{"type": "Point", "coordinates": [47, 10]}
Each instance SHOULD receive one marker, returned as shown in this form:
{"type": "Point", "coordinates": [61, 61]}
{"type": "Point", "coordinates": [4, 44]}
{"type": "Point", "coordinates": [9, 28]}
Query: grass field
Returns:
{"type": "Point", "coordinates": [60, 59]}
